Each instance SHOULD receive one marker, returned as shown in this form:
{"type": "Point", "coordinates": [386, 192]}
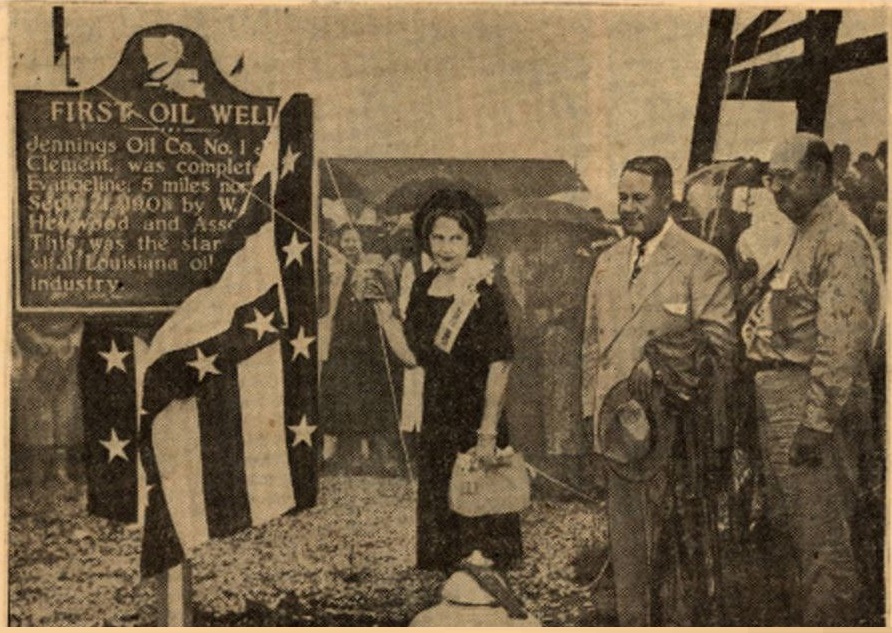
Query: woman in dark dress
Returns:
{"type": "Point", "coordinates": [356, 402]}
{"type": "Point", "coordinates": [457, 329]}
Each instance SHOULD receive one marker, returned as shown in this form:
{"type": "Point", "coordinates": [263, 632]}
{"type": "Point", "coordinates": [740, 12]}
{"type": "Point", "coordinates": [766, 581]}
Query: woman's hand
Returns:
{"type": "Point", "coordinates": [485, 449]}
{"type": "Point", "coordinates": [376, 284]}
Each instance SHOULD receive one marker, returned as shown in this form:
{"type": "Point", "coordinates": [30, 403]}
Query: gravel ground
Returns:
{"type": "Point", "coordinates": [347, 561]}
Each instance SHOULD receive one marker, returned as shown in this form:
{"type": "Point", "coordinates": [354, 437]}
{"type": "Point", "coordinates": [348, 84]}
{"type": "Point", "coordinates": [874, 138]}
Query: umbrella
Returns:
{"type": "Point", "coordinates": [547, 210]}
{"type": "Point", "coordinates": [348, 211]}
{"type": "Point", "coordinates": [604, 201]}
{"type": "Point", "coordinates": [336, 183]}
{"type": "Point", "coordinates": [411, 194]}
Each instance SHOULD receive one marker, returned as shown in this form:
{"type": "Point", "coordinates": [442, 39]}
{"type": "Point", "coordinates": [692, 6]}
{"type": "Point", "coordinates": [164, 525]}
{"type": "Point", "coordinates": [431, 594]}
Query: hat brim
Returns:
{"type": "Point", "coordinates": [630, 458]}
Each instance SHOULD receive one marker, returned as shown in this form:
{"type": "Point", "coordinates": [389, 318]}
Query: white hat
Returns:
{"type": "Point", "coordinates": [462, 588]}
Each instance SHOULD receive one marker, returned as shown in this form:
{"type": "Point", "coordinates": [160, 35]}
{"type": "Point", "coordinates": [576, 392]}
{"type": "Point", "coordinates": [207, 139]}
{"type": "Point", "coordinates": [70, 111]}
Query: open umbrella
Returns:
{"type": "Point", "coordinates": [548, 210]}
{"type": "Point", "coordinates": [335, 183]}
{"type": "Point", "coordinates": [603, 200]}
{"type": "Point", "coordinates": [411, 194]}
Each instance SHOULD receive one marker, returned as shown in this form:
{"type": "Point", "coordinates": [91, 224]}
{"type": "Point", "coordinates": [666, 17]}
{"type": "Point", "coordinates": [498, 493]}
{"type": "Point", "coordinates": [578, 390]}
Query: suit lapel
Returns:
{"type": "Point", "coordinates": [659, 267]}
{"type": "Point", "coordinates": [661, 262]}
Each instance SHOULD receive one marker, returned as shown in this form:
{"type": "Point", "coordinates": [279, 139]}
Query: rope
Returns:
{"type": "Point", "coordinates": [396, 416]}
{"type": "Point", "coordinates": [561, 484]}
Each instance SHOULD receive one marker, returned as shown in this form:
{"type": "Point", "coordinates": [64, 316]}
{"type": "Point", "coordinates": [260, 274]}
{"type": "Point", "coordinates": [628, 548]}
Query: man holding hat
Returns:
{"type": "Point", "coordinates": [809, 339]}
{"type": "Point", "coordinates": [657, 281]}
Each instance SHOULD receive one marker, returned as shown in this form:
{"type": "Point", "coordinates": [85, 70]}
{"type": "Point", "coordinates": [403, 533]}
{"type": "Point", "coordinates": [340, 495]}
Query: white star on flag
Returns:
{"type": "Point", "coordinates": [114, 358]}
{"type": "Point", "coordinates": [294, 249]}
{"type": "Point", "coordinates": [289, 162]}
{"type": "Point", "coordinates": [115, 447]}
{"type": "Point", "coordinates": [144, 493]}
{"type": "Point", "coordinates": [204, 364]}
{"type": "Point", "coordinates": [303, 432]}
{"type": "Point", "coordinates": [301, 344]}
{"type": "Point", "coordinates": [262, 323]}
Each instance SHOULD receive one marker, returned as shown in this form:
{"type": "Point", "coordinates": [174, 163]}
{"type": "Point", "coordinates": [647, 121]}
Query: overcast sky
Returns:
{"type": "Point", "coordinates": [592, 85]}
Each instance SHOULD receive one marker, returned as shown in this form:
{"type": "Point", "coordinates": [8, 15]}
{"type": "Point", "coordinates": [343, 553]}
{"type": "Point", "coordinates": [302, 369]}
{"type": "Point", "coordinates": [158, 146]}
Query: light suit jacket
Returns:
{"type": "Point", "coordinates": [684, 282]}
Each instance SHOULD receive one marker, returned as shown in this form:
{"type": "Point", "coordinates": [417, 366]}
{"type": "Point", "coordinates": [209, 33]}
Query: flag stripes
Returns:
{"type": "Point", "coordinates": [223, 455]}
{"type": "Point", "coordinates": [267, 471]}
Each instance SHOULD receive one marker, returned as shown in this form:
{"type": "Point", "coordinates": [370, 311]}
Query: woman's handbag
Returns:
{"type": "Point", "coordinates": [498, 486]}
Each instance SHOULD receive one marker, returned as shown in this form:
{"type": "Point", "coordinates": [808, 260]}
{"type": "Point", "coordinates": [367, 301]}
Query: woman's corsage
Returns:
{"type": "Point", "coordinates": [471, 273]}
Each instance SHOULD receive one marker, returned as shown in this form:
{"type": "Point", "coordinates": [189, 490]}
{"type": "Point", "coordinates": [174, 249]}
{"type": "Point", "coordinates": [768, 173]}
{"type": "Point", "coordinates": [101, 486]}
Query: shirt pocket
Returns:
{"type": "Point", "coordinates": [791, 300]}
{"type": "Point", "coordinates": [681, 309]}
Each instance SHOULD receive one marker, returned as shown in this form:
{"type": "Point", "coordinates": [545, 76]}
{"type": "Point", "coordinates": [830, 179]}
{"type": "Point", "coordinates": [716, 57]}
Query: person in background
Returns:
{"type": "Point", "coordinates": [809, 338]}
{"type": "Point", "coordinates": [658, 280]}
{"type": "Point", "coordinates": [456, 328]}
{"type": "Point", "coordinates": [416, 262]}
{"type": "Point", "coordinates": [357, 405]}
{"type": "Point", "coordinates": [46, 404]}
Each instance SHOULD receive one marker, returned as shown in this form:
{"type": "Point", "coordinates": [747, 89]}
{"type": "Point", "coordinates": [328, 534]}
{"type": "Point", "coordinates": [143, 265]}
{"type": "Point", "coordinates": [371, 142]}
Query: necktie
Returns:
{"type": "Point", "coordinates": [636, 267]}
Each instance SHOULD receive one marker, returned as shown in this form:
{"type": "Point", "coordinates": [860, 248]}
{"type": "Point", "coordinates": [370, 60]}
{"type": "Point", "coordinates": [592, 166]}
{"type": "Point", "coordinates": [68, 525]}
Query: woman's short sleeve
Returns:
{"type": "Point", "coordinates": [496, 343]}
{"type": "Point", "coordinates": [413, 326]}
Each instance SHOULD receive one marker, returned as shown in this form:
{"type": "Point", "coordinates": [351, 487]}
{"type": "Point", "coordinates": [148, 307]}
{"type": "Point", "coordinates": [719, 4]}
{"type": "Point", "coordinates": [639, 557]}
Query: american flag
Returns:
{"type": "Point", "coordinates": [221, 406]}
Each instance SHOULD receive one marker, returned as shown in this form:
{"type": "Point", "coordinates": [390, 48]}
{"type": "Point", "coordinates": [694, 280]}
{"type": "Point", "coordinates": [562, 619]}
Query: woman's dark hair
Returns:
{"type": "Point", "coordinates": [458, 205]}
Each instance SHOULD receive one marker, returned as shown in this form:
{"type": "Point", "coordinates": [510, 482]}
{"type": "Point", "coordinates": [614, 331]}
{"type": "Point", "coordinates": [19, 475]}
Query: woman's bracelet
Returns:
{"type": "Point", "coordinates": [482, 433]}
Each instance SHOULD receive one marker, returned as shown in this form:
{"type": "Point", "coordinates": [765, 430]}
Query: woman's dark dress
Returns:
{"type": "Point", "coordinates": [454, 394]}
{"type": "Point", "coordinates": [356, 399]}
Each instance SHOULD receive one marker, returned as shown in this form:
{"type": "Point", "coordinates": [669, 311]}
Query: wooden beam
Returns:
{"type": "Point", "coordinates": [776, 81]}
{"type": "Point", "coordinates": [778, 39]}
{"type": "Point", "coordinates": [788, 79]}
{"type": "Point", "coordinates": [747, 43]}
{"type": "Point", "coordinates": [716, 59]}
{"type": "Point", "coordinates": [819, 45]}
{"type": "Point", "coordinates": [860, 53]}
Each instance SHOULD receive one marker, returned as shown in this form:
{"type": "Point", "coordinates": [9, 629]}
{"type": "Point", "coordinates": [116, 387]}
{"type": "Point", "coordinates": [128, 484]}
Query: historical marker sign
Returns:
{"type": "Point", "coordinates": [127, 189]}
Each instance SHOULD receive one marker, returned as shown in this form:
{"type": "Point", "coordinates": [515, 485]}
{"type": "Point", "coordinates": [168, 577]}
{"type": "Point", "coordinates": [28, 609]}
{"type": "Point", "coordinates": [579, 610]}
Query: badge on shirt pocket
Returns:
{"type": "Point", "coordinates": [677, 309]}
{"type": "Point", "coordinates": [780, 281]}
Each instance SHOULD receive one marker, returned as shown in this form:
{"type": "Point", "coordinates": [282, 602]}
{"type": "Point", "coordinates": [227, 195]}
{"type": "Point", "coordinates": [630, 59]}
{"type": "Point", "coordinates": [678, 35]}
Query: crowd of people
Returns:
{"type": "Point", "coordinates": [673, 330]}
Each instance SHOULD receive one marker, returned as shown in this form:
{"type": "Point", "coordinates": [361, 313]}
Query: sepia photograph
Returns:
{"type": "Point", "coordinates": [446, 314]}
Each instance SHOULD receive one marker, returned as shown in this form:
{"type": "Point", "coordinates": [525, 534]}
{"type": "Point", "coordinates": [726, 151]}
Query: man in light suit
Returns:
{"type": "Point", "coordinates": [657, 280]}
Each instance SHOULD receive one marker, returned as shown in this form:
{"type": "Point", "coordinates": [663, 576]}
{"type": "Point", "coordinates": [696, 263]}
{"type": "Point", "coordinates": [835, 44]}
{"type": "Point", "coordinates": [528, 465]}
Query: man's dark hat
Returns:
{"type": "Point", "coordinates": [635, 439]}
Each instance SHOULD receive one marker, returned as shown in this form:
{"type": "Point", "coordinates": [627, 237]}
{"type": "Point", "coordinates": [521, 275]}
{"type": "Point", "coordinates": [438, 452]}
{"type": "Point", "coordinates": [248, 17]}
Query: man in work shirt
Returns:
{"type": "Point", "coordinates": [809, 339]}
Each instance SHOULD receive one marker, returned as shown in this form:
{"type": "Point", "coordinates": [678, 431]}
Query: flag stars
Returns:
{"type": "Point", "coordinates": [289, 161]}
{"type": "Point", "coordinates": [145, 494]}
{"type": "Point", "coordinates": [115, 447]}
{"type": "Point", "coordinates": [262, 323]}
{"type": "Point", "coordinates": [114, 358]}
{"type": "Point", "coordinates": [204, 364]}
{"type": "Point", "coordinates": [294, 250]}
{"type": "Point", "coordinates": [303, 432]}
{"type": "Point", "coordinates": [301, 345]}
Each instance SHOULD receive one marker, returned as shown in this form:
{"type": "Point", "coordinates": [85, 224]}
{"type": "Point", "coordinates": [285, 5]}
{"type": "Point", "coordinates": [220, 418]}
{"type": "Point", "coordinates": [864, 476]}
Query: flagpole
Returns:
{"type": "Point", "coordinates": [175, 595]}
